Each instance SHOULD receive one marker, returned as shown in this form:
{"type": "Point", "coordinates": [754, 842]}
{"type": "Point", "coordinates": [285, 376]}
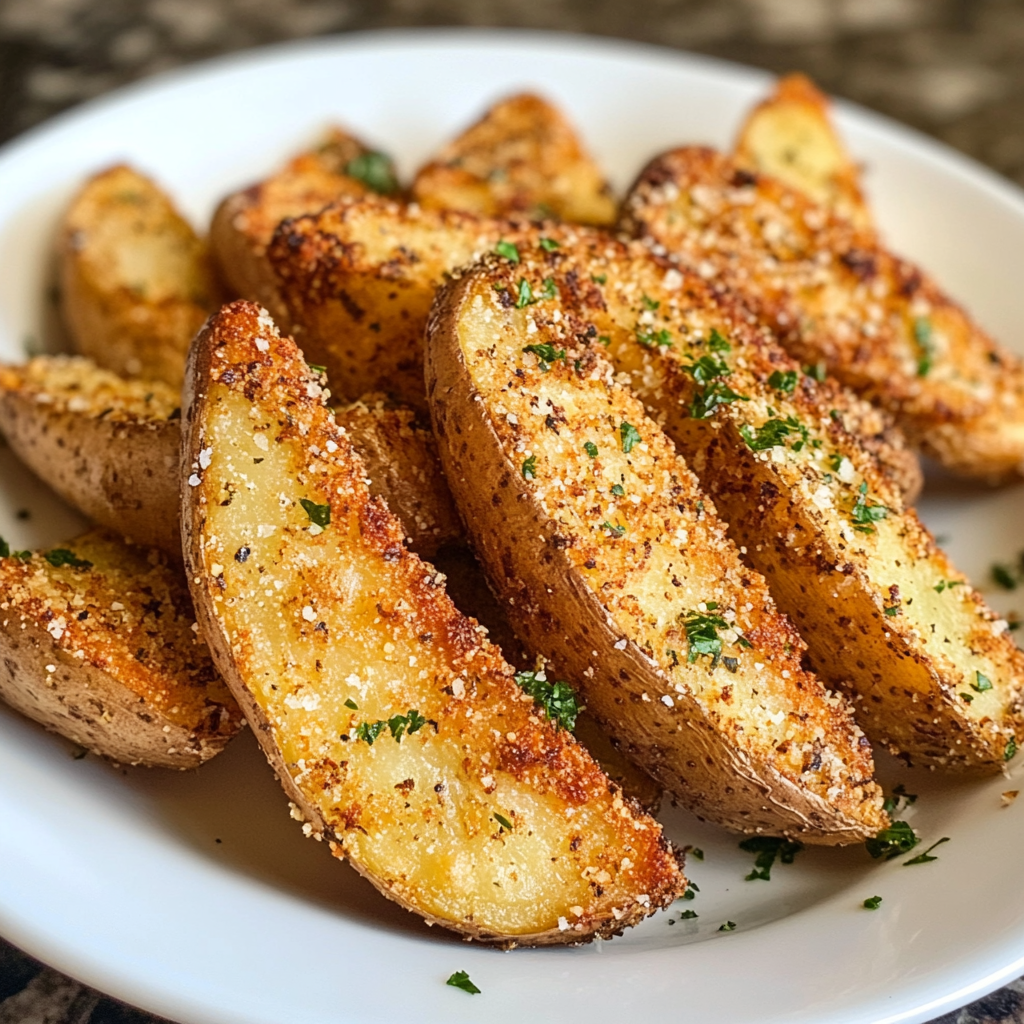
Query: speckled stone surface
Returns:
{"type": "Point", "coordinates": [953, 68]}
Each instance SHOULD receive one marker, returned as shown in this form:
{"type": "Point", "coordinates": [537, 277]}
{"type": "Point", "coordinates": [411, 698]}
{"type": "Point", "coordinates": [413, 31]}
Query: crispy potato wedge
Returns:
{"type": "Point", "coordinates": [400, 456]}
{"type": "Point", "coordinates": [522, 158]}
{"type": "Point", "coordinates": [106, 445]}
{"type": "Point", "coordinates": [97, 644]}
{"type": "Point", "coordinates": [834, 294]}
{"type": "Point", "coordinates": [791, 136]}
{"type": "Point", "coordinates": [394, 726]}
{"type": "Point", "coordinates": [360, 278]}
{"type": "Point", "coordinates": [614, 565]}
{"type": "Point", "coordinates": [885, 615]}
{"type": "Point", "coordinates": [243, 224]}
{"type": "Point", "coordinates": [135, 280]}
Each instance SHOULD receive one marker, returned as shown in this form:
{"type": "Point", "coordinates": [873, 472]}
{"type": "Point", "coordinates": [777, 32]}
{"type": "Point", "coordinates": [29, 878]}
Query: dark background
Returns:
{"type": "Point", "coordinates": [953, 68]}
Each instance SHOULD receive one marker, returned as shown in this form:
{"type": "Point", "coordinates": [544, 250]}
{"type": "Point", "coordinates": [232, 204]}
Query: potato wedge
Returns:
{"type": "Point", "coordinates": [791, 136]}
{"type": "Point", "coordinates": [614, 565]}
{"type": "Point", "coordinates": [360, 278]}
{"type": "Point", "coordinates": [403, 468]}
{"type": "Point", "coordinates": [243, 224]}
{"type": "Point", "coordinates": [522, 158]}
{"type": "Point", "coordinates": [832, 293]}
{"type": "Point", "coordinates": [135, 280]}
{"type": "Point", "coordinates": [394, 726]}
{"type": "Point", "coordinates": [885, 614]}
{"type": "Point", "coordinates": [97, 644]}
{"type": "Point", "coordinates": [106, 445]}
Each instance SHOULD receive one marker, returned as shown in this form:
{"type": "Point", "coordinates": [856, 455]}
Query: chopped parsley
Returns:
{"type": "Point", "coordinates": [590, 448]}
{"type": "Point", "coordinates": [706, 369]}
{"type": "Point", "coordinates": [947, 585]}
{"type": "Point", "coordinates": [773, 434]}
{"type": "Point", "coordinates": [320, 515]}
{"type": "Point", "coordinates": [872, 903]}
{"type": "Point", "coordinates": [369, 731]}
{"type": "Point", "coordinates": [717, 343]}
{"type": "Point", "coordinates": [702, 636]}
{"type": "Point", "coordinates": [374, 170]}
{"type": "Point", "coordinates": [507, 251]}
{"type": "Point", "coordinates": [614, 531]}
{"type": "Point", "coordinates": [558, 700]}
{"type": "Point", "coordinates": [630, 436]}
{"type": "Point", "coordinates": [1006, 576]}
{"type": "Point", "coordinates": [502, 821]}
{"type": "Point", "coordinates": [604, 340]}
{"type": "Point", "coordinates": [729, 926]}
{"type": "Point", "coordinates": [406, 724]}
{"type": "Point", "coordinates": [599, 278]}
{"type": "Point", "coordinates": [899, 838]}
{"type": "Point", "coordinates": [649, 303]}
{"type": "Point", "coordinates": [5, 552]}
{"type": "Point", "coordinates": [925, 344]}
{"type": "Point", "coordinates": [863, 514]}
{"type": "Point", "coordinates": [707, 401]}
{"type": "Point", "coordinates": [350, 703]}
{"type": "Point", "coordinates": [317, 368]}
{"type": "Point", "coordinates": [548, 244]}
{"type": "Point", "coordinates": [697, 852]}
{"type": "Point", "coordinates": [61, 556]}
{"type": "Point", "coordinates": [1010, 750]}
{"type": "Point", "coordinates": [653, 339]}
{"type": "Point", "coordinates": [892, 610]}
{"type": "Point", "coordinates": [688, 915]}
{"type": "Point", "coordinates": [618, 490]}
{"type": "Point", "coordinates": [460, 979]}
{"type": "Point", "coordinates": [923, 858]}
{"type": "Point", "coordinates": [899, 793]}
{"type": "Point", "coordinates": [784, 381]}
{"type": "Point", "coordinates": [816, 372]}
{"type": "Point", "coordinates": [546, 354]}
{"type": "Point", "coordinates": [983, 683]}
{"type": "Point", "coordinates": [692, 888]}
{"type": "Point", "coordinates": [530, 468]}
{"type": "Point", "coordinates": [968, 697]}
{"type": "Point", "coordinates": [526, 297]}
{"type": "Point", "coordinates": [767, 849]}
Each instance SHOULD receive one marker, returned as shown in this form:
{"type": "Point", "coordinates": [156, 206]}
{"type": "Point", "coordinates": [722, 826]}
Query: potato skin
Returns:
{"type": "Point", "coordinates": [833, 293]}
{"type": "Point", "coordinates": [554, 604]}
{"type": "Point", "coordinates": [522, 158]}
{"type": "Point", "coordinates": [105, 656]}
{"type": "Point", "coordinates": [107, 446]}
{"type": "Point", "coordinates": [240, 362]}
{"type": "Point", "coordinates": [135, 279]}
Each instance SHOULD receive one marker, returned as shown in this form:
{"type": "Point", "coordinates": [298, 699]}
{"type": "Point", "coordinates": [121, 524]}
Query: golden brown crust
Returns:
{"type": "Point", "coordinates": [428, 841]}
{"type": "Point", "coordinates": [106, 655]}
{"type": "Point", "coordinates": [790, 135]}
{"type": "Point", "coordinates": [135, 279]}
{"type": "Point", "coordinates": [400, 456]}
{"type": "Point", "coordinates": [522, 158]}
{"type": "Point", "coordinates": [107, 446]}
{"type": "Point", "coordinates": [833, 293]}
{"type": "Point", "coordinates": [244, 222]}
{"type": "Point", "coordinates": [603, 583]}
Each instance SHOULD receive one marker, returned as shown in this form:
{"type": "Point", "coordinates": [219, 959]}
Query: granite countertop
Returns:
{"type": "Point", "coordinates": [952, 68]}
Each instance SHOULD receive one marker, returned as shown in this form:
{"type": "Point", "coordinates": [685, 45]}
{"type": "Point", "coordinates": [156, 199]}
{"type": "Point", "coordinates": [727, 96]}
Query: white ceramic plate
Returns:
{"type": "Point", "coordinates": [195, 895]}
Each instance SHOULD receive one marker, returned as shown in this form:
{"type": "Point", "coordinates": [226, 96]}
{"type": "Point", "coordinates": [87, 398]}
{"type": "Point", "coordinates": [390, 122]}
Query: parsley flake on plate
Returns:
{"type": "Point", "coordinates": [460, 979]}
{"type": "Point", "coordinates": [767, 849]}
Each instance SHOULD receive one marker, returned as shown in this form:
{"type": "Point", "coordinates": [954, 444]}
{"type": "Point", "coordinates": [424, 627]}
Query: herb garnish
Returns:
{"type": "Point", "coordinates": [816, 372]}
{"type": "Point", "coordinates": [374, 170]}
{"type": "Point", "coordinates": [630, 436]}
{"type": "Point", "coordinates": [317, 368]}
{"type": "Point", "coordinates": [530, 468]}
{"type": "Point", "coordinates": [947, 585]}
{"type": "Point", "coordinates": [548, 244]}
{"type": "Point", "coordinates": [707, 401]}
{"type": "Point", "coordinates": [558, 700]}
{"type": "Point", "coordinates": [590, 448]}
{"type": "Point", "coordinates": [350, 703]}
{"type": "Point", "coordinates": [649, 303]}
{"type": "Point", "coordinates": [772, 434]}
{"type": "Point", "coordinates": [525, 296]}
{"type": "Point", "coordinates": [899, 838]}
{"type": "Point", "coordinates": [923, 337]}
{"type": "Point", "coordinates": [983, 683]}
{"type": "Point", "coordinates": [502, 821]}
{"type": "Point", "coordinates": [369, 731]}
{"type": "Point", "coordinates": [599, 278]}
{"type": "Point", "coordinates": [460, 979]}
{"type": "Point", "coordinates": [702, 635]}
{"type": "Point", "coordinates": [398, 725]}
{"type": "Point", "coordinates": [615, 531]}
{"type": "Point", "coordinates": [653, 339]}
{"type": "Point", "coordinates": [767, 849]}
{"type": "Point", "coordinates": [697, 852]}
{"type": "Point", "coordinates": [61, 556]}
{"type": "Point", "coordinates": [923, 858]}
{"type": "Point", "coordinates": [729, 926]}
{"type": "Point", "coordinates": [863, 514]}
{"type": "Point", "coordinates": [688, 915]}
{"type": "Point", "coordinates": [319, 515]}
{"type": "Point", "coordinates": [717, 343]}
{"type": "Point", "coordinates": [706, 369]}
{"type": "Point", "coordinates": [546, 354]}
{"type": "Point", "coordinates": [618, 490]}
{"type": "Point", "coordinates": [507, 250]}
{"type": "Point", "coordinates": [872, 902]}
{"type": "Point", "coordinates": [784, 381]}
{"type": "Point", "coordinates": [892, 803]}
{"type": "Point", "coordinates": [1010, 750]}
